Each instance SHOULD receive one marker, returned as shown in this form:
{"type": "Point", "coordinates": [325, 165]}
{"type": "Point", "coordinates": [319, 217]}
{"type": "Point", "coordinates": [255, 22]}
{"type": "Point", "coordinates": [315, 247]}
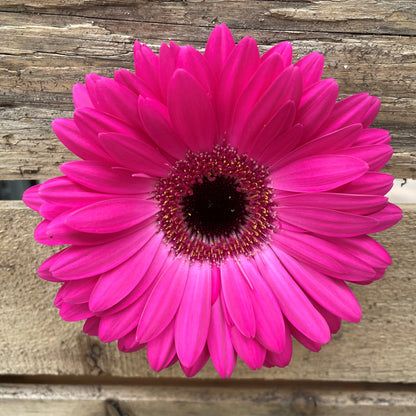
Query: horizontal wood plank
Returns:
{"type": "Point", "coordinates": [34, 340]}
{"type": "Point", "coordinates": [223, 398]}
{"type": "Point", "coordinates": [55, 47]}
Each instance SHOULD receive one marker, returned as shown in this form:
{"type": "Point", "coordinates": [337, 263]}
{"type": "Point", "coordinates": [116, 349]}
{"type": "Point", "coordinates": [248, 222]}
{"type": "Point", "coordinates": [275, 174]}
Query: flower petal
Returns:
{"type": "Point", "coordinates": [311, 67]}
{"type": "Point", "coordinates": [281, 359]}
{"type": "Point", "coordinates": [219, 342]}
{"type": "Point", "coordinates": [371, 183]}
{"type": "Point", "coordinates": [161, 349]}
{"type": "Point", "coordinates": [284, 49]}
{"type": "Point", "coordinates": [248, 349]}
{"type": "Point", "coordinates": [163, 302]}
{"type": "Point", "coordinates": [193, 118]}
{"type": "Point", "coordinates": [318, 173]}
{"type": "Point", "coordinates": [192, 319]}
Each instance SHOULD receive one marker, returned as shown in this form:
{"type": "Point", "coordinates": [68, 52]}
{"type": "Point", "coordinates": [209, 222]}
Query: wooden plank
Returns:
{"type": "Point", "coordinates": [222, 398]}
{"type": "Point", "coordinates": [50, 52]}
{"type": "Point", "coordinates": [34, 340]}
{"type": "Point", "coordinates": [353, 16]}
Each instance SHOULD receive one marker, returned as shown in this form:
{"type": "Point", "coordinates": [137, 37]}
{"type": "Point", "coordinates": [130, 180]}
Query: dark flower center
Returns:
{"type": "Point", "coordinates": [214, 205]}
{"type": "Point", "coordinates": [216, 208]}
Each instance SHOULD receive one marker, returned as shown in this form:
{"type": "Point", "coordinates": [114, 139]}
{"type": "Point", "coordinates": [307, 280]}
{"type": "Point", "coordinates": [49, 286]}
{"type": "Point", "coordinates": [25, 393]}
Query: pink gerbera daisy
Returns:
{"type": "Point", "coordinates": [222, 201]}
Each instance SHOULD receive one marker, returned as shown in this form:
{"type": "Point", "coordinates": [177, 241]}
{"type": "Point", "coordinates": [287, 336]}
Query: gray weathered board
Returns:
{"type": "Point", "coordinates": [49, 367]}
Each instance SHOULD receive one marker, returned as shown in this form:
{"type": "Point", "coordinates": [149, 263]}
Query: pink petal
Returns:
{"type": "Point", "coordinates": [270, 326]}
{"type": "Point", "coordinates": [237, 297]}
{"type": "Point", "coordinates": [168, 56]}
{"type": "Point", "coordinates": [146, 65]}
{"type": "Point", "coordinates": [283, 358]}
{"type": "Point", "coordinates": [376, 156]}
{"type": "Point", "coordinates": [116, 325]}
{"type": "Point", "coordinates": [32, 198]}
{"type": "Point", "coordinates": [70, 135]}
{"type": "Point", "coordinates": [268, 136]}
{"type": "Point", "coordinates": [311, 67]}
{"type": "Point", "coordinates": [101, 177]}
{"type": "Point", "coordinates": [80, 96]}
{"type": "Point", "coordinates": [219, 46]}
{"type": "Point", "coordinates": [370, 183]}
{"type": "Point", "coordinates": [199, 364]}
{"type": "Point", "coordinates": [50, 211]}
{"type": "Point", "coordinates": [354, 203]}
{"type": "Point", "coordinates": [334, 322]}
{"type": "Point", "coordinates": [304, 340]}
{"type": "Point", "coordinates": [77, 291]}
{"type": "Point", "coordinates": [116, 284]}
{"type": "Point", "coordinates": [79, 262]}
{"type": "Point", "coordinates": [156, 121]}
{"type": "Point", "coordinates": [322, 254]}
{"type": "Point", "coordinates": [332, 294]}
{"type": "Point", "coordinates": [78, 312]}
{"type": "Point", "coordinates": [215, 282]}
{"type": "Point", "coordinates": [280, 146]}
{"type": "Point", "coordinates": [91, 326]}
{"type": "Point", "coordinates": [111, 215]}
{"type": "Point", "coordinates": [266, 73]}
{"type": "Point", "coordinates": [373, 136]}
{"type": "Point", "coordinates": [163, 302]}
{"type": "Point", "coordinates": [238, 69]}
{"type": "Point", "coordinates": [316, 105]}
{"type": "Point", "coordinates": [248, 349]}
{"type": "Point", "coordinates": [294, 304]}
{"type": "Point", "coordinates": [284, 49]}
{"type": "Point", "coordinates": [116, 99]}
{"type": "Point", "coordinates": [287, 87]}
{"type": "Point", "coordinates": [330, 143]}
{"type": "Point", "coordinates": [134, 154]}
{"type": "Point", "coordinates": [129, 80]}
{"type": "Point", "coordinates": [219, 342]}
{"type": "Point", "coordinates": [318, 173]}
{"type": "Point", "coordinates": [192, 117]}
{"type": "Point", "coordinates": [195, 64]}
{"type": "Point", "coordinates": [44, 269]}
{"type": "Point", "coordinates": [128, 343]}
{"type": "Point", "coordinates": [192, 319]}
{"type": "Point", "coordinates": [387, 217]}
{"type": "Point", "coordinates": [161, 349]}
{"type": "Point", "coordinates": [327, 221]}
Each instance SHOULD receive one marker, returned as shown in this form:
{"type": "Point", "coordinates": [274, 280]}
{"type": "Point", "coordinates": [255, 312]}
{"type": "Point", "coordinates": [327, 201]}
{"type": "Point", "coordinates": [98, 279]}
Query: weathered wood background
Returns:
{"type": "Point", "coordinates": [49, 367]}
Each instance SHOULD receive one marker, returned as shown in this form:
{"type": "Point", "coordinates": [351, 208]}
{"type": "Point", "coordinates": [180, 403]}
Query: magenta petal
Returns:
{"type": "Point", "coordinates": [193, 118]}
{"type": "Point", "coordinates": [168, 56]}
{"type": "Point", "coordinates": [215, 282]}
{"type": "Point", "coordinates": [32, 198]}
{"type": "Point", "coordinates": [116, 99]}
{"type": "Point", "coordinates": [324, 255]}
{"type": "Point", "coordinates": [293, 302]}
{"type": "Point", "coordinates": [332, 294]}
{"type": "Point", "coordinates": [237, 296]}
{"type": "Point", "coordinates": [161, 349]}
{"type": "Point", "coordinates": [318, 173]}
{"type": "Point", "coordinates": [101, 177]}
{"type": "Point", "coordinates": [77, 291]}
{"type": "Point", "coordinates": [116, 284]}
{"type": "Point", "coordinates": [355, 203]}
{"type": "Point", "coordinates": [311, 67]}
{"type": "Point", "coordinates": [270, 326]}
{"type": "Point", "coordinates": [79, 262]}
{"type": "Point", "coordinates": [134, 154]}
{"type": "Point", "coordinates": [70, 135]}
{"type": "Point", "coordinates": [248, 349]}
{"type": "Point", "coordinates": [304, 340]}
{"type": "Point", "coordinates": [80, 96]}
{"type": "Point", "coordinates": [373, 136]}
{"type": "Point", "coordinates": [198, 365]}
{"type": "Point", "coordinates": [284, 49]}
{"type": "Point", "coordinates": [376, 156]}
{"type": "Point", "coordinates": [91, 326]}
{"type": "Point", "coordinates": [192, 319]}
{"type": "Point", "coordinates": [163, 302]}
{"type": "Point", "coordinates": [157, 124]}
{"type": "Point", "coordinates": [112, 215]}
{"type": "Point", "coordinates": [128, 342]}
{"type": "Point", "coordinates": [75, 312]}
{"type": "Point", "coordinates": [118, 324]}
{"type": "Point", "coordinates": [219, 46]}
{"type": "Point", "coordinates": [371, 183]}
{"type": "Point", "coordinates": [240, 66]}
{"type": "Point", "coordinates": [283, 358]}
{"type": "Point", "coordinates": [387, 217]}
{"type": "Point", "coordinates": [327, 221]}
{"type": "Point", "coordinates": [219, 342]}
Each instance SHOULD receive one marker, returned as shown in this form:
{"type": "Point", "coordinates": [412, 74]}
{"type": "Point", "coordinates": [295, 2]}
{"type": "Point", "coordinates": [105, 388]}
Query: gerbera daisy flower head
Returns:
{"type": "Point", "coordinates": [221, 202]}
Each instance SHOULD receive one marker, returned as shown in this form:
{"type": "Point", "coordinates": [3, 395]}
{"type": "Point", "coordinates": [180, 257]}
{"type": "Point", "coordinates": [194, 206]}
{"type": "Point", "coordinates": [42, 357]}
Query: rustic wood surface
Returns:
{"type": "Point", "coordinates": [368, 46]}
{"type": "Point", "coordinates": [34, 340]}
{"type": "Point", "coordinates": [191, 399]}
{"type": "Point", "coordinates": [46, 46]}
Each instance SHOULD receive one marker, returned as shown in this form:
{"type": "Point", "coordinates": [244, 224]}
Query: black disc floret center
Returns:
{"type": "Point", "coordinates": [216, 208]}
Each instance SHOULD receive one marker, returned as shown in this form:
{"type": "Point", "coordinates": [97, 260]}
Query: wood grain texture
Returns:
{"type": "Point", "coordinates": [34, 340]}
{"type": "Point", "coordinates": [223, 399]}
{"type": "Point", "coordinates": [368, 47]}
